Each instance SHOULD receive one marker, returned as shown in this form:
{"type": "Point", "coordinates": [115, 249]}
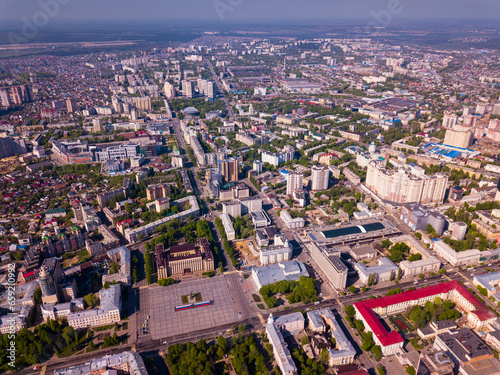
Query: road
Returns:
{"type": "Point", "coordinates": [219, 88]}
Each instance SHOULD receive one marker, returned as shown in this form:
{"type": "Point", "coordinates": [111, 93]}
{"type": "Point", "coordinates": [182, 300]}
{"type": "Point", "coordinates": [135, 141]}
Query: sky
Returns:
{"type": "Point", "coordinates": [250, 11]}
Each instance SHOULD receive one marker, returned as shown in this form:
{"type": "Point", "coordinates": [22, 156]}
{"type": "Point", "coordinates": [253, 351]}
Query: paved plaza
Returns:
{"type": "Point", "coordinates": [166, 322]}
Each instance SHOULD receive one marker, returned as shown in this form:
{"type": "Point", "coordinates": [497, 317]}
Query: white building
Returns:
{"type": "Point", "coordinates": [385, 271]}
{"type": "Point", "coordinates": [107, 313]}
{"type": "Point", "coordinates": [126, 362]}
{"type": "Point", "coordinates": [280, 350]}
{"type": "Point", "coordinates": [456, 259]}
{"type": "Point", "coordinates": [290, 222]}
{"type": "Point", "coordinates": [294, 181]}
{"type": "Point", "coordinates": [132, 234]}
{"type": "Point", "coordinates": [281, 251]}
{"type": "Point", "coordinates": [319, 178]}
{"type": "Point", "coordinates": [61, 310]}
{"type": "Point", "coordinates": [344, 352]}
{"type": "Point", "coordinates": [121, 255]}
{"type": "Point", "coordinates": [228, 226]}
{"type": "Point", "coordinates": [291, 270]}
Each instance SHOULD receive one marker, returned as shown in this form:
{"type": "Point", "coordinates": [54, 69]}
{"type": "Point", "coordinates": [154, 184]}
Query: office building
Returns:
{"type": "Point", "coordinates": [294, 181]}
{"type": "Point", "coordinates": [185, 259]}
{"type": "Point", "coordinates": [401, 186]}
{"type": "Point", "coordinates": [330, 263]}
{"type": "Point", "coordinates": [107, 313]}
{"type": "Point", "coordinates": [386, 270]}
{"type": "Point", "coordinates": [229, 169]}
{"type": "Point", "coordinates": [437, 363]}
{"type": "Point", "coordinates": [273, 273]}
{"type": "Point", "coordinates": [391, 342]}
{"type": "Point", "coordinates": [120, 255]}
{"type": "Point", "coordinates": [417, 217]}
{"type": "Point", "coordinates": [290, 222]}
{"type": "Point", "coordinates": [228, 226]}
{"type": "Point", "coordinates": [319, 177]}
{"type": "Point", "coordinates": [260, 218]}
{"type": "Point", "coordinates": [461, 137]}
{"type": "Point", "coordinates": [456, 258]}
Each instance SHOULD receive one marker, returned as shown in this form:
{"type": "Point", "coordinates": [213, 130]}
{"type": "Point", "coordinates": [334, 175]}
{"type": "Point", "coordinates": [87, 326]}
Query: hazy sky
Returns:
{"type": "Point", "coordinates": [247, 10]}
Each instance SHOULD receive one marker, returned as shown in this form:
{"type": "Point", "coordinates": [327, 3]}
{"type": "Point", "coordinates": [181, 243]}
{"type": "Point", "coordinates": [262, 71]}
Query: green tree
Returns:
{"type": "Point", "coordinates": [91, 300]}
{"type": "Point", "coordinates": [410, 370]}
{"type": "Point", "coordinates": [380, 370]}
{"type": "Point", "coordinates": [324, 356]}
{"type": "Point", "coordinates": [349, 309]}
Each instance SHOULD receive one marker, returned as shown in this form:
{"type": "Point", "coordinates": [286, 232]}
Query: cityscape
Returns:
{"type": "Point", "coordinates": [249, 188]}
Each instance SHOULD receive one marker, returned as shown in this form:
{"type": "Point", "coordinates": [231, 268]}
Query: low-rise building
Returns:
{"type": "Point", "coordinates": [290, 222]}
{"type": "Point", "coordinates": [228, 226]}
{"type": "Point", "coordinates": [291, 271]}
{"type": "Point", "coordinates": [455, 258]}
{"type": "Point", "coordinates": [344, 352]}
{"type": "Point", "coordinates": [386, 270]}
{"type": "Point", "coordinates": [107, 313]}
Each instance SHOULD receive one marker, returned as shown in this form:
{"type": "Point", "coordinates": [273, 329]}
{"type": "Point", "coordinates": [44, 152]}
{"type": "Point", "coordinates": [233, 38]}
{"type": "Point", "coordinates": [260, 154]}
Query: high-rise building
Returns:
{"type": "Point", "coordinates": [5, 96]}
{"type": "Point", "coordinates": [257, 166]}
{"type": "Point", "coordinates": [169, 90]}
{"type": "Point", "coordinates": [320, 175]}
{"type": "Point", "coordinates": [71, 105]}
{"type": "Point", "coordinates": [229, 169]}
{"type": "Point", "coordinates": [458, 137]}
{"type": "Point", "coordinates": [97, 125]}
{"type": "Point", "coordinates": [46, 282]}
{"type": "Point", "coordinates": [17, 95]}
{"type": "Point", "coordinates": [26, 93]}
{"type": "Point", "coordinates": [187, 89]}
{"type": "Point", "coordinates": [402, 187]}
{"type": "Point", "coordinates": [294, 181]}
{"type": "Point", "coordinates": [211, 91]}
{"type": "Point", "coordinates": [449, 120]}
{"type": "Point", "coordinates": [7, 147]}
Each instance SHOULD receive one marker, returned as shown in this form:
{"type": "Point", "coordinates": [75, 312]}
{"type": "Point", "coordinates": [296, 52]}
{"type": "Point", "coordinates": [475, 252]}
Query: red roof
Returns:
{"type": "Point", "coordinates": [28, 274]}
{"type": "Point", "coordinates": [389, 338]}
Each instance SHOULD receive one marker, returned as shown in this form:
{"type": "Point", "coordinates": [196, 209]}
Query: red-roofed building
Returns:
{"type": "Point", "coordinates": [391, 342]}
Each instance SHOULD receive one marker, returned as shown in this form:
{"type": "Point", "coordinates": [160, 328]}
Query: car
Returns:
{"type": "Point", "coordinates": [36, 367]}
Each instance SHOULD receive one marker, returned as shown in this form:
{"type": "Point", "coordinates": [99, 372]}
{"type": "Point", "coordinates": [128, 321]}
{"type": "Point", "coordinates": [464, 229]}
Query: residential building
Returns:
{"type": "Point", "coordinates": [229, 169]}
{"type": "Point", "coordinates": [322, 320]}
{"type": "Point", "coordinates": [111, 364]}
{"type": "Point", "coordinates": [458, 137]}
{"type": "Point", "coordinates": [402, 187]}
{"type": "Point", "coordinates": [319, 177]}
{"type": "Point", "coordinates": [294, 181]}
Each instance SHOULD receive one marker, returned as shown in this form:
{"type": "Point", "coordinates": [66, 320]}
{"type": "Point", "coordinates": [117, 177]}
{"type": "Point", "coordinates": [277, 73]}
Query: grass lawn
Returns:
{"type": "Point", "coordinates": [256, 298]}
